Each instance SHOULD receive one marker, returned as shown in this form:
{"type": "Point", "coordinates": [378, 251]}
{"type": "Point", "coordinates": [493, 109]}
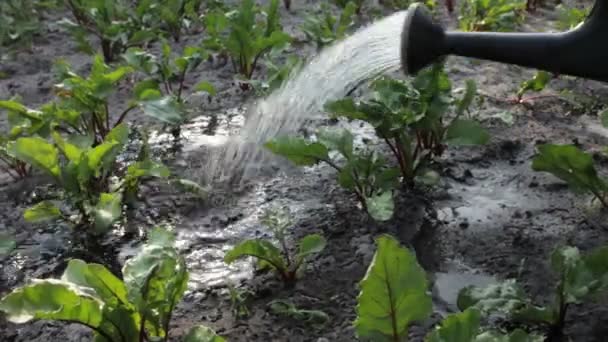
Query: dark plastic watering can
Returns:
{"type": "Point", "coordinates": [581, 52]}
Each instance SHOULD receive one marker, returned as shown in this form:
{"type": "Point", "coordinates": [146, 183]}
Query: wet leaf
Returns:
{"type": "Point", "coordinates": [41, 212]}
{"type": "Point", "coordinates": [466, 132]}
{"type": "Point", "coordinates": [52, 299]}
{"type": "Point", "coordinates": [37, 152]}
{"type": "Point", "coordinates": [260, 249]}
{"type": "Point", "coordinates": [571, 165]}
{"type": "Point", "coordinates": [206, 87]}
{"type": "Point", "coordinates": [298, 150]}
{"type": "Point", "coordinates": [341, 141]}
{"type": "Point", "coordinates": [107, 211]}
{"type": "Point", "coordinates": [310, 244]}
{"type": "Point", "coordinates": [460, 327]}
{"type": "Point", "coordinates": [202, 334]}
{"type": "Point", "coordinates": [381, 207]}
{"type": "Point", "coordinates": [107, 287]}
{"type": "Point", "coordinates": [165, 109]}
{"type": "Point", "coordinates": [393, 293]}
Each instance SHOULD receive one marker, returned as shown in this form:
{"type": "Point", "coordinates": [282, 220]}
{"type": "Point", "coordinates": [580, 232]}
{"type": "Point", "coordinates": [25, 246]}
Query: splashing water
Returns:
{"type": "Point", "coordinates": [369, 52]}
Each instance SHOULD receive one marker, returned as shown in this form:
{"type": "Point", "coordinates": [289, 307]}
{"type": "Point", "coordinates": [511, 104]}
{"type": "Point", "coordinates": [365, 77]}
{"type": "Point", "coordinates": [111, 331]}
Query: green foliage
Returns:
{"type": "Point", "coordinates": [248, 37]}
{"type": "Point", "coordinates": [411, 118]}
{"type": "Point", "coordinates": [138, 309]}
{"type": "Point", "coordinates": [113, 23]}
{"type": "Point", "coordinates": [365, 173]}
{"type": "Point", "coordinates": [326, 28]}
{"type": "Point", "coordinates": [570, 17]}
{"type": "Point", "coordinates": [19, 21]}
{"type": "Point", "coordinates": [166, 74]}
{"type": "Point", "coordinates": [173, 16]}
{"type": "Point", "coordinates": [277, 74]}
{"type": "Point", "coordinates": [575, 167]}
{"type": "Point", "coordinates": [491, 15]}
{"type": "Point", "coordinates": [285, 308]}
{"type": "Point", "coordinates": [288, 265]}
{"type": "Point", "coordinates": [393, 294]}
{"type": "Point", "coordinates": [238, 301]}
{"type": "Point", "coordinates": [536, 83]}
{"type": "Point", "coordinates": [580, 277]}
{"type": "Point", "coordinates": [202, 334]}
{"type": "Point", "coordinates": [7, 244]}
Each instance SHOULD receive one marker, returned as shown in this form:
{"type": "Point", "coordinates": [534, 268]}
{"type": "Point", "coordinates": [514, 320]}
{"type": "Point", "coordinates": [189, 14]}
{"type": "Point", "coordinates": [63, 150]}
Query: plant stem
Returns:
{"type": "Point", "coordinates": [124, 114]}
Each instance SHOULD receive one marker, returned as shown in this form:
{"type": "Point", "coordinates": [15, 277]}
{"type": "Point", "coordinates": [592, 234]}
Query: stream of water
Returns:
{"type": "Point", "coordinates": [367, 53]}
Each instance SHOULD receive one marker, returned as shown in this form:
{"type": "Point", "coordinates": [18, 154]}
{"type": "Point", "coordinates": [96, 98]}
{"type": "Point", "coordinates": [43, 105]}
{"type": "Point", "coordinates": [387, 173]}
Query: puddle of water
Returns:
{"type": "Point", "coordinates": [458, 276]}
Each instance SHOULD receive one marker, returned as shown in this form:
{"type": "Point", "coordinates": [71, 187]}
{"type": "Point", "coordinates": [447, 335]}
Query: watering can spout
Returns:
{"type": "Point", "coordinates": [581, 52]}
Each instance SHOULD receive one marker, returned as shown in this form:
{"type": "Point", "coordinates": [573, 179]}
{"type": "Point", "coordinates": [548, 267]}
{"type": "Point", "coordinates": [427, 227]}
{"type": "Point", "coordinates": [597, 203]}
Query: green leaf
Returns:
{"type": "Point", "coordinates": [37, 152]}
{"type": "Point", "coordinates": [260, 249]}
{"type": "Point", "coordinates": [578, 280]}
{"type": "Point", "coordinates": [206, 87]}
{"type": "Point", "coordinates": [341, 141]}
{"type": "Point", "coordinates": [107, 287]}
{"type": "Point", "coordinates": [571, 165]}
{"type": "Point", "coordinates": [298, 150]}
{"type": "Point", "coordinates": [100, 157]}
{"type": "Point", "coordinates": [604, 118]}
{"type": "Point", "coordinates": [467, 99]}
{"type": "Point", "coordinates": [202, 334]}
{"type": "Point", "coordinates": [345, 108]}
{"type": "Point", "coordinates": [536, 83]}
{"type": "Point", "coordinates": [505, 298]}
{"type": "Point", "coordinates": [52, 299]}
{"type": "Point", "coordinates": [165, 109]}
{"type": "Point", "coordinates": [43, 211]}
{"type": "Point", "coordinates": [72, 152]}
{"type": "Point", "coordinates": [381, 207]}
{"type": "Point", "coordinates": [107, 211]}
{"type": "Point", "coordinates": [118, 134]}
{"type": "Point", "coordinates": [7, 244]}
{"type": "Point", "coordinates": [466, 132]}
{"type": "Point", "coordinates": [459, 327]}
{"type": "Point", "coordinates": [311, 244]}
{"type": "Point", "coordinates": [393, 293]}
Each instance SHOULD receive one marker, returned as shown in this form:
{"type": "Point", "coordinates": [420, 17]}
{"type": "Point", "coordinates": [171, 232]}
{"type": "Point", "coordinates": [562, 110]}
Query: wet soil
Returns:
{"type": "Point", "coordinates": [491, 218]}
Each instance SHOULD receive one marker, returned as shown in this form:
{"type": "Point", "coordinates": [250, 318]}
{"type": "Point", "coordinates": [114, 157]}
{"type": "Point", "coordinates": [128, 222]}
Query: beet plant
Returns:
{"type": "Point", "coordinates": [172, 16]}
{"type": "Point", "coordinates": [136, 308]}
{"type": "Point", "coordinates": [580, 277]}
{"type": "Point", "coordinates": [112, 22]}
{"type": "Point", "coordinates": [413, 119]}
{"type": "Point", "coordinates": [288, 265]}
{"type": "Point", "coordinates": [365, 173]}
{"type": "Point", "coordinates": [395, 294]}
{"type": "Point", "coordinates": [245, 34]}
{"type": "Point", "coordinates": [326, 28]}
{"type": "Point", "coordinates": [575, 167]}
{"type": "Point", "coordinates": [490, 15]}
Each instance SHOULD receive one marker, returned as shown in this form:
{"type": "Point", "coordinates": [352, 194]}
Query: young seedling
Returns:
{"type": "Point", "coordinates": [411, 118]}
{"type": "Point", "coordinates": [138, 308]}
{"type": "Point", "coordinates": [316, 318]}
{"type": "Point", "coordinates": [575, 167]}
{"type": "Point", "coordinates": [248, 37]}
{"type": "Point", "coordinates": [536, 84]}
{"type": "Point", "coordinates": [395, 294]}
{"type": "Point", "coordinates": [365, 173]}
{"type": "Point", "coordinates": [580, 277]}
{"type": "Point", "coordinates": [491, 15]}
{"type": "Point", "coordinates": [325, 28]}
{"type": "Point", "coordinates": [238, 301]}
{"type": "Point", "coordinates": [280, 259]}
{"type": "Point", "coordinates": [112, 22]}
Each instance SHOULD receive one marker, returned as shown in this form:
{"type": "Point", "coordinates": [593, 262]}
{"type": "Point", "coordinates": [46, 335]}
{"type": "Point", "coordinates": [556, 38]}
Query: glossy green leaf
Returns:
{"type": "Point", "coordinates": [107, 211]}
{"type": "Point", "coordinates": [37, 152]}
{"type": "Point", "coordinates": [393, 293]}
{"type": "Point", "coordinates": [381, 207]}
{"type": "Point", "coordinates": [41, 212]}
{"type": "Point", "coordinates": [165, 109]}
{"type": "Point", "coordinates": [260, 249]}
{"type": "Point", "coordinates": [202, 334]}
{"type": "Point", "coordinates": [459, 327]}
{"type": "Point", "coordinates": [571, 165]}
{"type": "Point", "coordinates": [52, 299]}
{"type": "Point", "coordinates": [106, 286]}
{"type": "Point", "coordinates": [341, 141]}
{"type": "Point", "coordinates": [466, 132]}
{"type": "Point", "coordinates": [71, 151]}
{"type": "Point", "coordinates": [298, 150]}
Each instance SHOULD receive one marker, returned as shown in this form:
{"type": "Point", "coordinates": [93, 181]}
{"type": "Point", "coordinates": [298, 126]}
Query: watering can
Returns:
{"type": "Point", "coordinates": [581, 52]}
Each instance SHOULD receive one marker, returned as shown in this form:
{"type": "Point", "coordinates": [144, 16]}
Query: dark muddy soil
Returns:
{"type": "Point", "coordinates": [491, 218]}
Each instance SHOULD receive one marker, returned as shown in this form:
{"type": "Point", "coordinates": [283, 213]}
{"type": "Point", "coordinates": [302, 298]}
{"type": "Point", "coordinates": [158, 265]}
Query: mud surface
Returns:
{"type": "Point", "coordinates": [491, 218]}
